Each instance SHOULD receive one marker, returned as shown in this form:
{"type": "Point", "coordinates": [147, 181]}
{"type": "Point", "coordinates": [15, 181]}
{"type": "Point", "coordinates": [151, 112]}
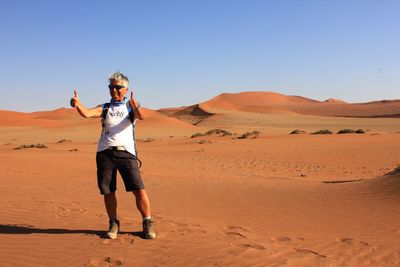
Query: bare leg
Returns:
{"type": "Point", "coordinates": [142, 202]}
{"type": "Point", "coordinates": [110, 202]}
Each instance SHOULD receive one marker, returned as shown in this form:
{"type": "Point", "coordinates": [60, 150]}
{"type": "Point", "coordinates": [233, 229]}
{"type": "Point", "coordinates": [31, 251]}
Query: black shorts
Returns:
{"type": "Point", "coordinates": [108, 162]}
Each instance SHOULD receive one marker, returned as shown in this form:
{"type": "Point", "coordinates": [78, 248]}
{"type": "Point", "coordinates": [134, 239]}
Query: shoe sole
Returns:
{"type": "Point", "coordinates": [150, 236]}
{"type": "Point", "coordinates": [111, 235]}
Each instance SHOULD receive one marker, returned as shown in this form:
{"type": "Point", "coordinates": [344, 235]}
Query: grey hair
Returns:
{"type": "Point", "coordinates": [118, 76]}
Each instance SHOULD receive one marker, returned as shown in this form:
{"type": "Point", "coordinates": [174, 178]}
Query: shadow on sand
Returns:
{"type": "Point", "coordinates": [29, 229]}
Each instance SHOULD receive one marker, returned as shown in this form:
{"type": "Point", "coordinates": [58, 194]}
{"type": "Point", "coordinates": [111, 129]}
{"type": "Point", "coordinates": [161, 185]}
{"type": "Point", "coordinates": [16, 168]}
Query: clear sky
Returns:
{"type": "Point", "coordinates": [185, 52]}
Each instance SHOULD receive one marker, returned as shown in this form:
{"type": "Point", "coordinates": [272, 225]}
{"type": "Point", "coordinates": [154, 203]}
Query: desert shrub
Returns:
{"type": "Point", "coordinates": [326, 131]}
{"type": "Point", "coordinates": [196, 135]}
{"type": "Point", "coordinates": [64, 141]}
{"type": "Point", "coordinates": [253, 134]}
{"type": "Point", "coordinates": [31, 146]}
{"type": "Point", "coordinates": [204, 142]}
{"type": "Point", "coordinates": [297, 131]}
{"type": "Point", "coordinates": [349, 131]}
{"type": "Point", "coordinates": [220, 132]}
{"type": "Point", "coordinates": [346, 131]}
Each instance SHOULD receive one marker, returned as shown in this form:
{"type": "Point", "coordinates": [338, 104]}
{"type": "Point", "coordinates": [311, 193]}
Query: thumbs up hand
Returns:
{"type": "Point", "coordinates": [135, 107]}
{"type": "Point", "coordinates": [132, 101]}
{"type": "Point", "coordinates": [75, 100]}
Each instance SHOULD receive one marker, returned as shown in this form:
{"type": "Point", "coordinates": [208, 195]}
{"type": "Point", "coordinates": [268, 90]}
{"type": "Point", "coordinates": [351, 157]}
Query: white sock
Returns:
{"type": "Point", "coordinates": [147, 218]}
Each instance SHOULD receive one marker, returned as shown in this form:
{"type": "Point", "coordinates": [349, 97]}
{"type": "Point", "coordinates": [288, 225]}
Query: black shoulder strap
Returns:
{"type": "Point", "coordinates": [131, 113]}
{"type": "Point", "coordinates": [104, 112]}
{"type": "Point", "coordinates": [132, 119]}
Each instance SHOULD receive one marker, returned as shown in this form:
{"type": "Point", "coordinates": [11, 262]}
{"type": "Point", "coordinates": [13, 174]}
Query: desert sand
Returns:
{"type": "Point", "coordinates": [272, 199]}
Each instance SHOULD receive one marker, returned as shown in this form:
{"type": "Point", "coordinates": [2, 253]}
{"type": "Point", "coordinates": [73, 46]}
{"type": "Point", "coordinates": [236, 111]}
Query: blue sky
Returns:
{"type": "Point", "coordinates": [184, 52]}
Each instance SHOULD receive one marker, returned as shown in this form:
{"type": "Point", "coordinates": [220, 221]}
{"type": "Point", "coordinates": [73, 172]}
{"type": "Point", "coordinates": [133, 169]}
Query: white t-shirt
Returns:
{"type": "Point", "coordinates": [118, 128]}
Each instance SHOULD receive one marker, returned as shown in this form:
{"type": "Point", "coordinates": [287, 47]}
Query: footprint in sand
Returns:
{"type": "Point", "coordinates": [234, 234]}
{"type": "Point", "coordinates": [351, 241]}
{"type": "Point", "coordinates": [235, 231]}
{"type": "Point", "coordinates": [178, 224]}
{"type": "Point", "coordinates": [282, 239]}
{"type": "Point", "coordinates": [302, 250]}
{"type": "Point", "coordinates": [237, 228]}
{"type": "Point", "coordinates": [251, 246]}
{"type": "Point", "coordinates": [121, 240]}
{"type": "Point", "coordinates": [346, 240]}
{"type": "Point", "coordinates": [185, 228]}
{"type": "Point", "coordinates": [107, 261]}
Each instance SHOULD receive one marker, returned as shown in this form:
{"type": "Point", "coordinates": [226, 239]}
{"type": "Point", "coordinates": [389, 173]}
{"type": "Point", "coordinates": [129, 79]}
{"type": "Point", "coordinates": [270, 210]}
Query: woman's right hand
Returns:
{"type": "Point", "coordinates": [75, 100]}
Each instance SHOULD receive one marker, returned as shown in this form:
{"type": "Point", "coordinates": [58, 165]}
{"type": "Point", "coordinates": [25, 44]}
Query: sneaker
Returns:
{"type": "Point", "coordinates": [113, 230]}
{"type": "Point", "coordinates": [148, 229]}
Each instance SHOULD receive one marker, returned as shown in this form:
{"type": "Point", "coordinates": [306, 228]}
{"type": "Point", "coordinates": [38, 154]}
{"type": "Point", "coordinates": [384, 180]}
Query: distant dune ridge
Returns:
{"type": "Point", "coordinates": [191, 114]}
{"type": "Point", "coordinates": [270, 102]}
{"type": "Point", "coordinates": [256, 102]}
{"type": "Point", "coordinates": [40, 118]}
{"type": "Point", "coordinates": [69, 116]}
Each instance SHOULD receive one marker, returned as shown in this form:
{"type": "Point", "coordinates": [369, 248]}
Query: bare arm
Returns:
{"type": "Point", "coordinates": [136, 108]}
{"type": "Point", "coordinates": [85, 112]}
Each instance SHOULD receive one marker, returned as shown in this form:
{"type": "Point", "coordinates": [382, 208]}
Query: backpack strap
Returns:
{"type": "Point", "coordinates": [132, 119]}
{"type": "Point", "coordinates": [131, 113]}
{"type": "Point", "coordinates": [104, 112]}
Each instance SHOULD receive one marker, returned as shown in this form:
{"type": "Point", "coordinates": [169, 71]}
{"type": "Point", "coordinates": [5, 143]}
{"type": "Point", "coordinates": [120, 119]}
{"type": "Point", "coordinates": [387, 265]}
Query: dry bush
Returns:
{"type": "Point", "coordinates": [204, 142]}
{"type": "Point", "coordinates": [31, 146]}
{"type": "Point", "coordinates": [349, 131]}
{"type": "Point", "coordinates": [253, 134]}
{"type": "Point", "coordinates": [297, 131]}
{"type": "Point", "coordinates": [346, 131]}
{"type": "Point", "coordinates": [325, 131]}
{"type": "Point", "coordinates": [220, 132]}
{"type": "Point", "coordinates": [196, 135]}
{"type": "Point", "coordinates": [64, 141]}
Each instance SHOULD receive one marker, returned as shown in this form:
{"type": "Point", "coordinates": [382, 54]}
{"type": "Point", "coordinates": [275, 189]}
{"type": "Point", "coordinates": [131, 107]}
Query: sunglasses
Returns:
{"type": "Point", "coordinates": [117, 87]}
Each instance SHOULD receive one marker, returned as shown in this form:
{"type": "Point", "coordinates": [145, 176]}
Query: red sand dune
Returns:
{"type": "Point", "coordinates": [335, 101]}
{"type": "Point", "coordinates": [66, 116]}
{"type": "Point", "coordinates": [55, 117]}
{"type": "Point", "coordinates": [156, 123]}
{"type": "Point", "coordinates": [270, 102]}
{"type": "Point", "coordinates": [386, 185]}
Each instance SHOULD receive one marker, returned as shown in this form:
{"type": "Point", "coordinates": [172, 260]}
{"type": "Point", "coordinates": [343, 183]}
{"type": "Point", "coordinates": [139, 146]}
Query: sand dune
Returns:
{"type": "Point", "coordinates": [157, 124]}
{"type": "Point", "coordinates": [257, 99]}
{"type": "Point", "coordinates": [191, 114]}
{"type": "Point", "coordinates": [275, 200]}
{"type": "Point", "coordinates": [335, 101]}
{"type": "Point", "coordinates": [56, 117]}
{"type": "Point", "coordinates": [270, 102]}
{"type": "Point", "coordinates": [68, 119]}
